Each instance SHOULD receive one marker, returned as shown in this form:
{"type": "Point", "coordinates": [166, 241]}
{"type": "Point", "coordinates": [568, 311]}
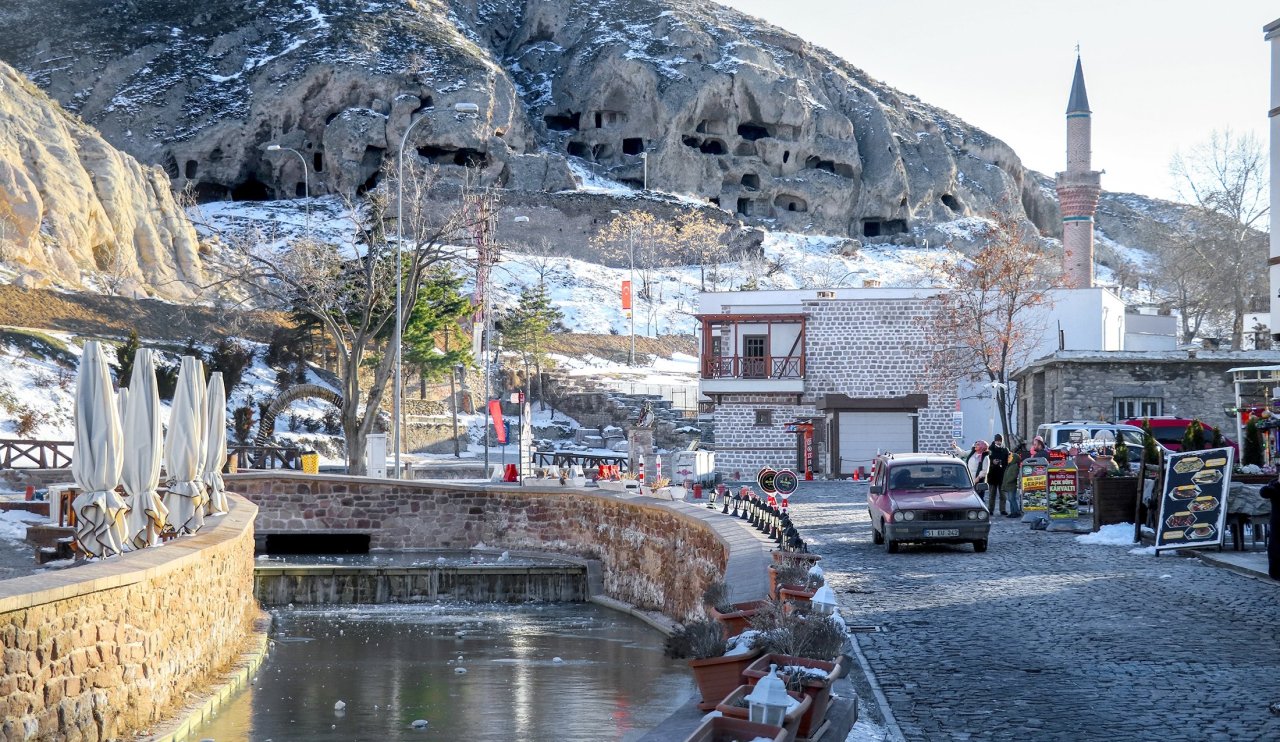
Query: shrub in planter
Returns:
{"type": "Point", "coordinates": [804, 646]}
{"type": "Point", "coordinates": [717, 666]}
{"type": "Point", "coordinates": [734, 617]}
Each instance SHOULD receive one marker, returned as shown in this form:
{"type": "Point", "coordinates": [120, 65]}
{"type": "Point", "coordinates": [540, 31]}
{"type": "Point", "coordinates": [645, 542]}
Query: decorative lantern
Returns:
{"type": "Point", "coordinates": [824, 601]}
{"type": "Point", "coordinates": [768, 701]}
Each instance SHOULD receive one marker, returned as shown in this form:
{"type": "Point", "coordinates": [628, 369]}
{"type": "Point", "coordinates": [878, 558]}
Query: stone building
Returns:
{"type": "Point", "coordinates": [1117, 385]}
{"type": "Point", "coordinates": [849, 360]}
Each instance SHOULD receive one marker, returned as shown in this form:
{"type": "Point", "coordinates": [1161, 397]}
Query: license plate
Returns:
{"type": "Point", "coordinates": [941, 532]}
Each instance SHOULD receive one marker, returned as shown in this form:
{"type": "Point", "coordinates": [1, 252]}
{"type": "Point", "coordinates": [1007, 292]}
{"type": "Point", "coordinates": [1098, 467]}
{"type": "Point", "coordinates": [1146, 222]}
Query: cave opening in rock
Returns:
{"type": "Point", "coordinates": [817, 163]}
{"type": "Point", "coordinates": [251, 189]}
{"type": "Point", "coordinates": [299, 189]}
{"type": "Point", "coordinates": [466, 157]}
{"type": "Point", "coordinates": [578, 149]}
{"type": "Point", "coordinates": [883, 227]}
{"type": "Point", "coordinates": [317, 162]}
{"type": "Point", "coordinates": [751, 181]}
{"type": "Point", "coordinates": [950, 202]}
{"type": "Point", "coordinates": [171, 167]}
{"type": "Point", "coordinates": [752, 131]}
{"type": "Point", "coordinates": [599, 120]}
{"type": "Point", "coordinates": [744, 206]}
{"type": "Point", "coordinates": [632, 146]}
{"type": "Point", "coordinates": [713, 147]}
{"type": "Point", "coordinates": [215, 155]}
{"type": "Point", "coordinates": [190, 170]}
{"type": "Point", "coordinates": [568, 121]}
{"type": "Point", "coordinates": [636, 183]}
{"type": "Point", "coordinates": [689, 141]}
{"type": "Point", "coordinates": [427, 102]}
{"type": "Point", "coordinates": [843, 170]}
{"type": "Point", "coordinates": [369, 184]}
{"type": "Point", "coordinates": [786, 155]}
{"type": "Point", "coordinates": [714, 200]}
{"type": "Point", "coordinates": [208, 192]}
{"type": "Point", "coordinates": [787, 202]}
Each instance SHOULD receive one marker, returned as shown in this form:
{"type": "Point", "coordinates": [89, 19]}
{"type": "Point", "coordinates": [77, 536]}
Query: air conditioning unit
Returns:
{"type": "Point", "coordinates": [826, 294]}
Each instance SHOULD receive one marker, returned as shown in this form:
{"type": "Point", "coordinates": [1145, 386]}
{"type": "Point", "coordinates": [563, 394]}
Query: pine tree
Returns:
{"type": "Point", "coordinates": [433, 340]}
{"type": "Point", "coordinates": [1150, 449]}
{"type": "Point", "coordinates": [527, 328]}
{"type": "Point", "coordinates": [124, 359]}
{"type": "Point", "coordinates": [1252, 444]}
{"type": "Point", "coordinates": [1193, 438]}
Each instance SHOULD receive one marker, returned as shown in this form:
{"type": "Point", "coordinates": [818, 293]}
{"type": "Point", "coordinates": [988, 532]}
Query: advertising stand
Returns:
{"type": "Point", "coordinates": [1193, 499]}
{"type": "Point", "coordinates": [1034, 479]}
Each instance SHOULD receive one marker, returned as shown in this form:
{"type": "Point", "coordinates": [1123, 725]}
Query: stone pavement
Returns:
{"type": "Point", "coordinates": [1044, 638]}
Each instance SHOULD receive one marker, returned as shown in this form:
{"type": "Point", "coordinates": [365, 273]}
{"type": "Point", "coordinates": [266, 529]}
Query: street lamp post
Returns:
{"type": "Point", "coordinates": [306, 178]}
{"type": "Point", "coordinates": [644, 157]}
{"type": "Point", "coordinates": [455, 374]}
{"type": "Point", "coordinates": [631, 260]}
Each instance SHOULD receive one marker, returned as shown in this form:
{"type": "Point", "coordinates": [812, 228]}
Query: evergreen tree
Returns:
{"type": "Point", "coordinates": [1150, 449]}
{"type": "Point", "coordinates": [231, 358]}
{"type": "Point", "coordinates": [124, 359]}
{"type": "Point", "coordinates": [527, 328]}
{"type": "Point", "coordinates": [1252, 444]}
{"type": "Point", "coordinates": [433, 339]}
{"type": "Point", "coordinates": [1193, 438]}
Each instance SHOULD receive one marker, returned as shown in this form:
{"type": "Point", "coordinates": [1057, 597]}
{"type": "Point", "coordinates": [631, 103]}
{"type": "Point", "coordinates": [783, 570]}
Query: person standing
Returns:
{"type": "Point", "coordinates": [995, 474]}
{"type": "Point", "coordinates": [1272, 492]}
{"type": "Point", "coordinates": [979, 463]}
{"type": "Point", "coordinates": [1037, 448]}
{"type": "Point", "coordinates": [1012, 478]}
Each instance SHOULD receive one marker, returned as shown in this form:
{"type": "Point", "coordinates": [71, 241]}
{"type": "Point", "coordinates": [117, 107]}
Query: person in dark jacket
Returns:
{"type": "Point", "coordinates": [1012, 480]}
{"type": "Point", "coordinates": [1272, 492]}
{"type": "Point", "coordinates": [995, 473]}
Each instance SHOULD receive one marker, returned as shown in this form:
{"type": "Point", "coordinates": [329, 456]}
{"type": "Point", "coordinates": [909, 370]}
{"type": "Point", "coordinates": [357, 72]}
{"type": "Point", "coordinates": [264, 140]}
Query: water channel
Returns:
{"type": "Point", "coordinates": [473, 672]}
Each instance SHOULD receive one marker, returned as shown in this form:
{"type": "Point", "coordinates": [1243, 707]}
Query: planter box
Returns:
{"type": "Point", "coordinates": [1114, 499]}
{"type": "Point", "coordinates": [729, 729]}
{"type": "Point", "coordinates": [817, 689]}
{"type": "Point", "coordinates": [718, 676]}
{"type": "Point", "coordinates": [733, 705]}
{"type": "Point", "coordinates": [1253, 478]}
{"type": "Point", "coordinates": [795, 594]}
{"type": "Point", "coordinates": [738, 620]}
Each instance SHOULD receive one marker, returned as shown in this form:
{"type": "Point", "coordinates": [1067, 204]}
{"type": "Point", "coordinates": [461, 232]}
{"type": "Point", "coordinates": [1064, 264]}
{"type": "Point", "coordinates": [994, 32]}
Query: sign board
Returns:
{"type": "Point", "coordinates": [1193, 501]}
{"type": "Point", "coordinates": [786, 482]}
{"type": "Point", "coordinates": [1063, 500]}
{"type": "Point", "coordinates": [957, 425]}
{"type": "Point", "coordinates": [766, 480]}
{"type": "Point", "coordinates": [1035, 481]}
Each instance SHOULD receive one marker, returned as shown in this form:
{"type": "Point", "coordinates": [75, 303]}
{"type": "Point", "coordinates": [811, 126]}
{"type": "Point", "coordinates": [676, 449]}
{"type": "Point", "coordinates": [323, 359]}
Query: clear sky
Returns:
{"type": "Point", "coordinates": [1161, 74]}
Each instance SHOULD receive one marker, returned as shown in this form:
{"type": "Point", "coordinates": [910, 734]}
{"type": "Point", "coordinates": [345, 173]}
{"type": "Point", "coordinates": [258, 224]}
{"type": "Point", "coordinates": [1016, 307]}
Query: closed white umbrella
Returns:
{"type": "Point", "coordinates": [122, 524]}
{"type": "Point", "coordinates": [141, 473]}
{"type": "Point", "coordinates": [184, 449]}
{"type": "Point", "coordinates": [97, 458]}
{"type": "Point", "coordinates": [216, 444]}
{"type": "Point", "coordinates": [122, 401]}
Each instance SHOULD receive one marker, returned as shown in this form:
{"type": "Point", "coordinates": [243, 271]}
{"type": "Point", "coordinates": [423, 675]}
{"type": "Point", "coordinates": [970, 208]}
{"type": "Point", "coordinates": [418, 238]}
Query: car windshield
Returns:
{"type": "Point", "coordinates": [929, 476]}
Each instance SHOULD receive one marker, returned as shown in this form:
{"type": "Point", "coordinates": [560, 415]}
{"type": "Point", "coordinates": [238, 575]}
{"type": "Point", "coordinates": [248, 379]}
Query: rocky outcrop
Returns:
{"type": "Point", "coordinates": [75, 211]}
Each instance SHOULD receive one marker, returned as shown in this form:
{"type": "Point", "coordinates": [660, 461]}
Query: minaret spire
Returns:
{"type": "Point", "coordinates": [1078, 187]}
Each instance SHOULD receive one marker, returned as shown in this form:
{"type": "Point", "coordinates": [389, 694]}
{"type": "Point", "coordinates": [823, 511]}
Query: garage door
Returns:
{"type": "Point", "coordinates": [863, 434]}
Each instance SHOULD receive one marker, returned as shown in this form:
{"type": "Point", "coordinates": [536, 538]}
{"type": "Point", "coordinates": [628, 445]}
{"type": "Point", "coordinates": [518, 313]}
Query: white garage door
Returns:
{"type": "Point", "coordinates": [863, 434]}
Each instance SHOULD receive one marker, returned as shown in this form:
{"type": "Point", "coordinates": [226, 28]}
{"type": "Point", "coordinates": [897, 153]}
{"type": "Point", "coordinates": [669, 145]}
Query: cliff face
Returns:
{"type": "Point", "coordinates": [76, 211]}
{"type": "Point", "coordinates": [724, 107]}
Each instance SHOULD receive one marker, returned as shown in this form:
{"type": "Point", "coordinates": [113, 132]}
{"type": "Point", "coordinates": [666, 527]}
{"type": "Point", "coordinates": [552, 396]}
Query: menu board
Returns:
{"type": "Point", "coordinates": [1034, 480]}
{"type": "Point", "coordinates": [1063, 496]}
{"type": "Point", "coordinates": [1193, 501]}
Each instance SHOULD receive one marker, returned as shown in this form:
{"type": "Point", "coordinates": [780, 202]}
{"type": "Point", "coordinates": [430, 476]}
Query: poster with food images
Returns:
{"type": "Point", "coordinates": [1063, 494]}
{"type": "Point", "coordinates": [1034, 478]}
{"type": "Point", "coordinates": [1193, 502]}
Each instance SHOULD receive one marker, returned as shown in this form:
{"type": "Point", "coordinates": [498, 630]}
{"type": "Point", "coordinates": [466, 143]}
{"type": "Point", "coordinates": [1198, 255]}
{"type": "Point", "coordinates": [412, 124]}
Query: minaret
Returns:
{"type": "Point", "coordinates": [1078, 190]}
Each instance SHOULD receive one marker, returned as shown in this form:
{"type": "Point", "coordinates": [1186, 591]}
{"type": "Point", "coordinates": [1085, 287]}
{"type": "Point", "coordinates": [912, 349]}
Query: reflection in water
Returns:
{"type": "Point", "coordinates": [549, 672]}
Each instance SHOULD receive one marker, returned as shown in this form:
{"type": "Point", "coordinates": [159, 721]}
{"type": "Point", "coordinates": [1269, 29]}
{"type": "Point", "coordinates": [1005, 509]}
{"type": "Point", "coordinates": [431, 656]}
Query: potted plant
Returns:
{"type": "Point", "coordinates": [735, 705]}
{"type": "Point", "coordinates": [795, 564]}
{"type": "Point", "coordinates": [716, 663]}
{"type": "Point", "coordinates": [798, 583]}
{"type": "Point", "coordinates": [730, 729]}
{"type": "Point", "coordinates": [1114, 492]}
{"type": "Point", "coordinates": [735, 617]}
{"type": "Point", "coordinates": [804, 646]}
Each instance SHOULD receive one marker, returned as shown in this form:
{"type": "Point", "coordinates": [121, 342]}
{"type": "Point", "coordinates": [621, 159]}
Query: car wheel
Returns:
{"type": "Point", "coordinates": [890, 546]}
{"type": "Point", "coordinates": [980, 546]}
{"type": "Point", "coordinates": [877, 537]}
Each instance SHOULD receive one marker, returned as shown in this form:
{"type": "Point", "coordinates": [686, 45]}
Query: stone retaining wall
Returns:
{"type": "Point", "coordinates": [651, 555]}
{"type": "Point", "coordinates": [109, 649]}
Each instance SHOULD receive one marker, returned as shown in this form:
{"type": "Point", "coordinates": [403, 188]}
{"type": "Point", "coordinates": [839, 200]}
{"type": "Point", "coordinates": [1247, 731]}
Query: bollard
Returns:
{"type": "Point", "coordinates": [31, 493]}
{"type": "Point", "coordinates": [697, 491]}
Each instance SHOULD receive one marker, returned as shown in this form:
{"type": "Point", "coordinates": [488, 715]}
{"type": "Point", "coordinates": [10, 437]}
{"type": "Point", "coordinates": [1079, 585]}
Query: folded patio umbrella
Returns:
{"type": "Point", "coordinates": [216, 444]}
{"type": "Point", "coordinates": [184, 449]}
{"type": "Point", "coordinates": [141, 472]}
{"type": "Point", "coordinates": [97, 458]}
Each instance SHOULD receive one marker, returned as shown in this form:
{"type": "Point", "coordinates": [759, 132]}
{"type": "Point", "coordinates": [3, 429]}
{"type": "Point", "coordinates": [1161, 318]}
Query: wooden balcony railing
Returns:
{"type": "Point", "coordinates": [753, 367]}
{"type": "Point", "coordinates": [18, 454]}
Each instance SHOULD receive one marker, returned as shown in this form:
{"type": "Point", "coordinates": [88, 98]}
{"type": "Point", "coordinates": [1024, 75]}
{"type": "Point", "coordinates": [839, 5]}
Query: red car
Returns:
{"type": "Point", "coordinates": [925, 498]}
{"type": "Point", "coordinates": [1168, 432]}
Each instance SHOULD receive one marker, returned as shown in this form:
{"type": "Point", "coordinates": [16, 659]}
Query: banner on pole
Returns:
{"type": "Point", "coordinates": [626, 294]}
{"type": "Point", "coordinates": [495, 414]}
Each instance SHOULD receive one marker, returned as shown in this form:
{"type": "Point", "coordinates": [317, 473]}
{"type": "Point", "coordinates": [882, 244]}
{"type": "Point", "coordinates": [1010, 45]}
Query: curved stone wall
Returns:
{"type": "Point", "coordinates": [109, 649]}
{"type": "Point", "coordinates": [652, 555]}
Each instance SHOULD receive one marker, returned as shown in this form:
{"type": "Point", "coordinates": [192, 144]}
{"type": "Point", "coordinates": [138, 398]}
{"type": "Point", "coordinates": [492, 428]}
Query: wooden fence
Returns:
{"type": "Point", "coordinates": [22, 454]}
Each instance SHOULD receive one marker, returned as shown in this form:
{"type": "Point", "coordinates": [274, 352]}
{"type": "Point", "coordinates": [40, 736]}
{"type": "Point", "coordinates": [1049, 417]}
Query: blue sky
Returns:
{"type": "Point", "coordinates": [1161, 75]}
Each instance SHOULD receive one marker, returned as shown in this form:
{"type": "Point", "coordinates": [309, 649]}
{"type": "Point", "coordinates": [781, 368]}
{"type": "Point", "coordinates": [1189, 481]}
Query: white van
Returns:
{"type": "Point", "coordinates": [1084, 432]}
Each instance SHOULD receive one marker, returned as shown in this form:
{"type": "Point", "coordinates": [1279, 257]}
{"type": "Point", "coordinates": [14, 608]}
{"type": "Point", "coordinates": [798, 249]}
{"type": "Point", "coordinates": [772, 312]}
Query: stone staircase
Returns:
{"type": "Point", "coordinates": [605, 414]}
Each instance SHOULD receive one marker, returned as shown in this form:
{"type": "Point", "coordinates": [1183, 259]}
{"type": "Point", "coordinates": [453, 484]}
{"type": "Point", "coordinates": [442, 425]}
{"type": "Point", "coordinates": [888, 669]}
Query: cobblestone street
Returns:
{"type": "Point", "coordinates": [1044, 638]}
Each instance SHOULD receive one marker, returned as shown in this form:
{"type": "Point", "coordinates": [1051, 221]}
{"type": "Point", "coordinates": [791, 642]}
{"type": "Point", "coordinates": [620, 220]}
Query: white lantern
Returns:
{"type": "Point", "coordinates": [768, 701]}
{"type": "Point", "coordinates": [824, 601]}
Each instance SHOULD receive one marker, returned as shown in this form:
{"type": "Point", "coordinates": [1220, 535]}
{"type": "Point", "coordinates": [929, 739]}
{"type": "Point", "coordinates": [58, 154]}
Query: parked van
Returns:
{"type": "Point", "coordinates": [1168, 431]}
{"type": "Point", "coordinates": [1096, 432]}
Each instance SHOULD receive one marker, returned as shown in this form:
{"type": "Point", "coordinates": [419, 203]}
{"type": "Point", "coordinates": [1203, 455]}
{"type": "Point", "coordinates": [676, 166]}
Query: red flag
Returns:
{"type": "Point", "coordinates": [626, 294]}
{"type": "Point", "coordinates": [495, 414]}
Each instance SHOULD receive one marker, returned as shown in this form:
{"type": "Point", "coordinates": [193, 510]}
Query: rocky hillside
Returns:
{"type": "Point", "coordinates": [727, 108]}
{"type": "Point", "coordinates": [76, 211]}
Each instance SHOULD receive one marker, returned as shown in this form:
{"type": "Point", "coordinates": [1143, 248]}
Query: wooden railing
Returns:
{"type": "Point", "coordinates": [753, 367]}
{"type": "Point", "coordinates": [21, 454]}
{"type": "Point", "coordinates": [267, 457]}
{"type": "Point", "coordinates": [587, 461]}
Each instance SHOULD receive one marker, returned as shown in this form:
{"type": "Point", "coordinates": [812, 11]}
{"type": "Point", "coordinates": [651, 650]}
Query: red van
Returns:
{"type": "Point", "coordinates": [1168, 432]}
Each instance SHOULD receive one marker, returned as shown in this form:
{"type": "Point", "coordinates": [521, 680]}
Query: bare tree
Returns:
{"type": "Point", "coordinates": [645, 244]}
{"type": "Point", "coordinates": [1182, 279]}
{"type": "Point", "coordinates": [1225, 179]}
{"type": "Point", "coordinates": [350, 290]}
{"type": "Point", "coordinates": [986, 323]}
{"type": "Point", "coordinates": [705, 242]}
